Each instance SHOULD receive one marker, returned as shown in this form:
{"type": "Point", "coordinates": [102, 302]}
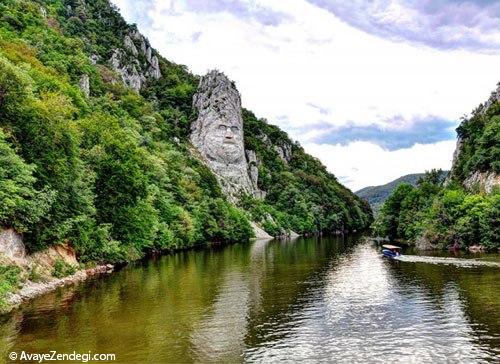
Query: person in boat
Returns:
{"type": "Point", "coordinates": [391, 251]}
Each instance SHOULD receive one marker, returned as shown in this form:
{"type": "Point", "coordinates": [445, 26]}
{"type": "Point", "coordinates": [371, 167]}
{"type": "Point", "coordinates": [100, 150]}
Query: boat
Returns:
{"type": "Point", "coordinates": [391, 251]}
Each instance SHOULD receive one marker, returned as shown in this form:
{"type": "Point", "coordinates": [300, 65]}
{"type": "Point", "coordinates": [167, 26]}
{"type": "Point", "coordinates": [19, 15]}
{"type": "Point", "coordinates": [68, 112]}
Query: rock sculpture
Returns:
{"type": "Point", "coordinates": [218, 134]}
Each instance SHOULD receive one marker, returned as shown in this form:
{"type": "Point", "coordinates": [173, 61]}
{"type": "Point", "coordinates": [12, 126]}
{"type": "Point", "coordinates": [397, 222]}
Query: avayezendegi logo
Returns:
{"type": "Point", "coordinates": [55, 356]}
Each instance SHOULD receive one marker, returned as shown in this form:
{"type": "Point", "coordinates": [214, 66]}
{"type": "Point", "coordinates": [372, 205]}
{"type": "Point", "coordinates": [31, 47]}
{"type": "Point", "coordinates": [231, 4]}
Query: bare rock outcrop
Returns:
{"type": "Point", "coordinates": [484, 181]}
{"type": "Point", "coordinates": [265, 139]}
{"type": "Point", "coordinates": [218, 134]}
{"type": "Point", "coordinates": [284, 151]}
{"type": "Point", "coordinates": [127, 62]}
{"type": "Point", "coordinates": [12, 246]}
{"type": "Point", "coordinates": [253, 168]}
{"type": "Point", "coordinates": [129, 44]}
{"type": "Point", "coordinates": [259, 232]}
{"type": "Point", "coordinates": [127, 71]}
{"type": "Point", "coordinates": [85, 84]}
{"type": "Point", "coordinates": [94, 58]}
{"type": "Point", "coordinates": [154, 67]}
{"type": "Point", "coordinates": [43, 11]}
{"type": "Point", "coordinates": [13, 252]}
{"type": "Point", "coordinates": [48, 257]}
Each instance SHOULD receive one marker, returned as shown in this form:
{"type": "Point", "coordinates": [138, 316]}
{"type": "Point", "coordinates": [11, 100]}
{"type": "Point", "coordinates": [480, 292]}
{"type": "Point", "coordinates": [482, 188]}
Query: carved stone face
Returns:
{"type": "Point", "coordinates": [218, 132]}
{"type": "Point", "coordinates": [224, 141]}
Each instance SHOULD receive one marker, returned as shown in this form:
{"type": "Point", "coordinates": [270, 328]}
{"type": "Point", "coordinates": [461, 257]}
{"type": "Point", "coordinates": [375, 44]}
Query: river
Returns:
{"type": "Point", "coordinates": [328, 299]}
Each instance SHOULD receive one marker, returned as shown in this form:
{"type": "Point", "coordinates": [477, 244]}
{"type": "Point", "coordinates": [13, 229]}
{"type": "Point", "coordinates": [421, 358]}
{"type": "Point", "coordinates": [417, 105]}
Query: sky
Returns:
{"type": "Point", "coordinates": [373, 88]}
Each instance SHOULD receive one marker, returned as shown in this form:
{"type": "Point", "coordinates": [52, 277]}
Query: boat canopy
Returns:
{"type": "Point", "coordinates": [387, 246]}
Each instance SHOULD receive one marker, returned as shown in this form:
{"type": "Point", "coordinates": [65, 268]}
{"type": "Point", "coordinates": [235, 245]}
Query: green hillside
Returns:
{"type": "Point", "coordinates": [94, 148]}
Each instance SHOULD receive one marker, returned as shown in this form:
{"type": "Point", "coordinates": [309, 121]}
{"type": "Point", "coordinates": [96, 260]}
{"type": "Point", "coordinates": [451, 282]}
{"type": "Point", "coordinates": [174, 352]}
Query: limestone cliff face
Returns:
{"type": "Point", "coordinates": [483, 181]}
{"type": "Point", "coordinates": [218, 135]}
{"type": "Point", "coordinates": [132, 58]}
{"type": "Point", "coordinates": [127, 63]}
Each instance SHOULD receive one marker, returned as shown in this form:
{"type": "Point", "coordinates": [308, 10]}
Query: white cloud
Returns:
{"type": "Point", "coordinates": [312, 57]}
{"type": "Point", "coordinates": [444, 24]}
{"type": "Point", "coordinates": [361, 164]}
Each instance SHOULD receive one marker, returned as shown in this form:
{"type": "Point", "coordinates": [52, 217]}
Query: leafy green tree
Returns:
{"type": "Point", "coordinates": [389, 218]}
{"type": "Point", "coordinates": [22, 205]}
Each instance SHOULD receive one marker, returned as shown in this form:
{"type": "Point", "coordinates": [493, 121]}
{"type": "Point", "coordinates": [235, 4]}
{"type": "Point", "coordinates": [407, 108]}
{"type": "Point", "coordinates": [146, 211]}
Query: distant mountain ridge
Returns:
{"type": "Point", "coordinates": [376, 195]}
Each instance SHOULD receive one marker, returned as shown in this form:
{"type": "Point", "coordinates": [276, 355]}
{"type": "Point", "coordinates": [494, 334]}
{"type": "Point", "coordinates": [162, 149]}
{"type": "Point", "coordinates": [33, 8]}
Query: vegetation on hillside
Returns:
{"type": "Point", "coordinates": [113, 174]}
{"type": "Point", "coordinates": [301, 194]}
{"type": "Point", "coordinates": [480, 149]}
{"type": "Point", "coordinates": [445, 215]}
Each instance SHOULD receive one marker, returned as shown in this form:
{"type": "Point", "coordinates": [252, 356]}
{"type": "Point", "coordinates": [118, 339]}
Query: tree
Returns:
{"type": "Point", "coordinates": [22, 205]}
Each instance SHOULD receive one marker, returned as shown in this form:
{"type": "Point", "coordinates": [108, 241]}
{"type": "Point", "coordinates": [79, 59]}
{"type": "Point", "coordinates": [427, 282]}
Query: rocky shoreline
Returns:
{"type": "Point", "coordinates": [31, 289]}
{"type": "Point", "coordinates": [423, 245]}
{"type": "Point", "coordinates": [40, 272]}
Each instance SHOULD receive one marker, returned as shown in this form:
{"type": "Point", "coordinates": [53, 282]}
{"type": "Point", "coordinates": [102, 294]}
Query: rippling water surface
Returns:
{"type": "Point", "coordinates": [329, 299]}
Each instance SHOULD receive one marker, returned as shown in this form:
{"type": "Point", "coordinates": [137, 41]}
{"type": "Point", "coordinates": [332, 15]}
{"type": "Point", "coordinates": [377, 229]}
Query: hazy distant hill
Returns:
{"type": "Point", "coordinates": [376, 195]}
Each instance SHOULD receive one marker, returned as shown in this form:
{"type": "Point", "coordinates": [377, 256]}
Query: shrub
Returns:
{"type": "Point", "coordinates": [62, 269]}
{"type": "Point", "coordinates": [9, 281]}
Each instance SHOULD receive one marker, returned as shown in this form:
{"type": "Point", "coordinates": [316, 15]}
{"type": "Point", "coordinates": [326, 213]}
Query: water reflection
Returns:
{"type": "Point", "coordinates": [219, 336]}
{"type": "Point", "coordinates": [366, 312]}
{"type": "Point", "coordinates": [310, 299]}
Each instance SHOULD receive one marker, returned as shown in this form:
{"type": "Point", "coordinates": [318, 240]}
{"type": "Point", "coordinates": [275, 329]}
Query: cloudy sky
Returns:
{"type": "Point", "coordinates": [373, 88]}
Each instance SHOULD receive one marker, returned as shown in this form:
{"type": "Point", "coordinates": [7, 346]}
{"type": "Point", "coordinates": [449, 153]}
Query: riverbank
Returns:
{"type": "Point", "coordinates": [423, 245]}
{"type": "Point", "coordinates": [25, 276]}
{"type": "Point", "coordinates": [30, 289]}
{"type": "Point", "coordinates": [43, 272]}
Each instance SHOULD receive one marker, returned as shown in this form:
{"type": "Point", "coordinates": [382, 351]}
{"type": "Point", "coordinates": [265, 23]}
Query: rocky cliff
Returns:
{"type": "Point", "coordinates": [129, 55]}
{"type": "Point", "coordinates": [127, 63]}
{"type": "Point", "coordinates": [217, 133]}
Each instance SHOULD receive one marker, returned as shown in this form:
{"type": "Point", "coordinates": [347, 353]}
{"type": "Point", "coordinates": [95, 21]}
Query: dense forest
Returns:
{"type": "Point", "coordinates": [100, 159]}
{"type": "Point", "coordinates": [437, 214]}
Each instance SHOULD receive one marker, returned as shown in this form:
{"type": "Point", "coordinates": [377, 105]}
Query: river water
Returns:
{"type": "Point", "coordinates": [329, 299]}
